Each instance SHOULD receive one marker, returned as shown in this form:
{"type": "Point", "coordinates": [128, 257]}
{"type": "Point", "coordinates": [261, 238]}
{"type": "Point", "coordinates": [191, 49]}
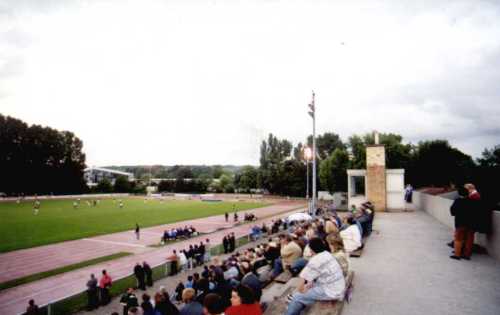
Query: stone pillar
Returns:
{"type": "Point", "coordinates": [375, 176]}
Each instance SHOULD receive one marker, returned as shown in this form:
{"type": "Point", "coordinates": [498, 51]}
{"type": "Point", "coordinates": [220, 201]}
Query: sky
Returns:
{"type": "Point", "coordinates": [204, 82]}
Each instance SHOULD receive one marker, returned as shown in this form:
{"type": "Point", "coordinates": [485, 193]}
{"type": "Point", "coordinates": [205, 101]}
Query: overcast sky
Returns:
{"type": "Point", "coordinates": [204, 82]}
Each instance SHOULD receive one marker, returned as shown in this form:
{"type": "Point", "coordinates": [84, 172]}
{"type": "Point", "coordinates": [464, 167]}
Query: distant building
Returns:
{"type": "Point", "coordinates": [93, 175]}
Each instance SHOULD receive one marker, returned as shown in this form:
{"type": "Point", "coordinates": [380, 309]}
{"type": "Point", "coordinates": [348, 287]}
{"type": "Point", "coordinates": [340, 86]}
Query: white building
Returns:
{"type": "Point", "coordinates": [93, 175]}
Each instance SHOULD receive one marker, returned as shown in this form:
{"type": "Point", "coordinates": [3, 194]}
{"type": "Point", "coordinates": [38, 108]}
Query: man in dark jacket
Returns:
{"type": "Point", "coordinates": [225, 244]}
{"type": "Point", "coordinates": [139, 274]}
{"type": "Point", "coordinates": [149, 274]}
{"type": "Point", "coordinates": [232, 242]}
{"type": "Point", "coordinates": [92, 293]}
{"type": "Point", "coordinates": [463, 212]}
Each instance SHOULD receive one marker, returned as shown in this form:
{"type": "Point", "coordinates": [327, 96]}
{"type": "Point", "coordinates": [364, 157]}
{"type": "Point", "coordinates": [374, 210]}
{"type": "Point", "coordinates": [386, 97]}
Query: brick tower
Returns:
{"type": "Point", "coordinates": [375, 175]}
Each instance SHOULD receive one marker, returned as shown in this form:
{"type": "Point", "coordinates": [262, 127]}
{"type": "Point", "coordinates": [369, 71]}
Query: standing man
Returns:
{"type": "Point", "coordinates": [104, 284]}
{"type": "Point", "coordinates": [174, 260]}
{"type": "Point", "coordinates": [232, 242]}
{"type": "Point", "coordinates": [92, 298]}
{"type": "Point", "coordinates": [139, 275]}
{"type": "Point", "coordinates": [32, 308]}
{"type": "Point", "coordinates": [137, 231]}
{"type": "Point", "coordinates": [207, 251]}
{"type": "Point", "coordinates": [149, 274]}
{"type": "Point", "coordinates": [226, 215]}
{"type": "Point", "coordinates": [225, 244]}
{"type": "Point", "coordinates": [235, 217]}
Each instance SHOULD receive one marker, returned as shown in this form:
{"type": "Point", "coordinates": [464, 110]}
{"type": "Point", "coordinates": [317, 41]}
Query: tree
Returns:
{"type": "Point", "coordinates": [104, 186]}
{"type": "Point", "coordinates": [333, 171]}
{"type": "Point", "coordinates": [273, 154]}
{"type": "Point", "coordinates": [246, 178]}
{"type": "Point", "coordinates": [358, 152]}
{"type": "Point", "coordinates": [437, 163]}
{"type": "Point", "coordinates": [490, 157]}
{"type": "Point", "coordinates": [217, 171]}
{"type": "Point", "coordinates": [226, 183]}
{"type": "Point", "coordinates": [291, 180]}
{"type": "Point", "coordinates": [122, 185]}
{"type": "Point", "coordinates": [166, 186]}
{"type": "Point", "coordinates": [36, 159]}
{"type": "Point", "coordinates": [326, 144]}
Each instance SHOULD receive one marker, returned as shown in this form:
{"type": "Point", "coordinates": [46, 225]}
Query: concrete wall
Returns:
{"type": "Point", "coordinates": [439, 208]}
{"type": "Point", "coordinates": [395, 189]}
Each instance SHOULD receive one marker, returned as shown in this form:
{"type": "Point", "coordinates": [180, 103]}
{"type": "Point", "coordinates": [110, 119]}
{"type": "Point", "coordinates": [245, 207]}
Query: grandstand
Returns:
{"type": "Point", "coordinates": [93, 175]}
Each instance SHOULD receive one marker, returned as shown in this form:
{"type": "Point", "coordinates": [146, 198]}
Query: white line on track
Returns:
{"type": "Point", "coordinates": [113, 242]}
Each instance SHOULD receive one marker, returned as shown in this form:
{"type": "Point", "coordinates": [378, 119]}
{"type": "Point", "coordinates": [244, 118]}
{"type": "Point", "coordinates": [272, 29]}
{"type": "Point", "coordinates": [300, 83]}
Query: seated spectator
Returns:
{"type": "Point", "coordinates": [259, 261]}
{"type": "Point", "coordinates": [189, 283]}
{"type": "Point", "coordinates": [178, 291]}
{"type": "Point", "coordinates": [363, 218]}
{"type": "Point", "coordinates": [330, 227]}
{"type": "Point", "coordinates": [203, 288]}
{"type": "Point", "coordinates": [243, 302]}
{"type": "Point", "coordinates": [191, 306]}
{"type": "Point", "coordinates": [351, 236]}
{"type": "Point", "coordinates": [321, 279]}
{"type": "Point", "coordinates": [212, 304]}
{"type": "Point", "coordinates": [232, 272]}
{"type": "Point", "coordinates": [290, 252]}
{"type": "Point", "coordinates": [272, 252]}
{"type": "Point", "coordinates": [223, 290]}
{"type": "Point", "coordinates": [251, 280]}
{"type": "Point", "coordinates": [163, 306]}
{"type": "Point", "coordinates": [337, 248]}
{"type": "Point", "coordinates": [147, 307]}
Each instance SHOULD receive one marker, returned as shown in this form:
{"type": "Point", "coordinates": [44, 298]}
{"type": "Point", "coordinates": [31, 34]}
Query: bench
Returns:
{"type": "Point", "coordinates": [279, 305]}
{"type": "Point", "coordinates": [331, 307]}
{"type": "Point", "coordinates": [284, 277]}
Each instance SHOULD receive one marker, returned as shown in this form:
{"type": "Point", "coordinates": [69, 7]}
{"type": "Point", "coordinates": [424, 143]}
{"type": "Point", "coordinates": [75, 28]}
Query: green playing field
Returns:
{"type": "Point", "coordinates": [58, 221]}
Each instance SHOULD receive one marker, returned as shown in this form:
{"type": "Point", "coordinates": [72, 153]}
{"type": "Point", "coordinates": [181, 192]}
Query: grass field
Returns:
{"type": "Point", "coordinates": [57, 220]}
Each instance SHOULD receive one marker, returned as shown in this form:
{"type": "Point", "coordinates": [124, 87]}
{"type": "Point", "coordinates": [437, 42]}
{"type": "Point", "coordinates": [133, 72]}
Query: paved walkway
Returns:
{"type": "Point", "coordinates": [405, 269]}
{"type": "Point", "coordinates": [14, 301]}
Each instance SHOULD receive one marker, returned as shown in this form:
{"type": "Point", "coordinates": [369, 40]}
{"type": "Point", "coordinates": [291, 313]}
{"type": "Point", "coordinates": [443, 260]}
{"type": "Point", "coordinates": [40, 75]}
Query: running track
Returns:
{"type": "Point", "coordinates": [29, 261]}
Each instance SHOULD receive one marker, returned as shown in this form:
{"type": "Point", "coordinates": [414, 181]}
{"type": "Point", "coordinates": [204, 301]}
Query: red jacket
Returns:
{"type": "Point", "coordinates": [244, 309]}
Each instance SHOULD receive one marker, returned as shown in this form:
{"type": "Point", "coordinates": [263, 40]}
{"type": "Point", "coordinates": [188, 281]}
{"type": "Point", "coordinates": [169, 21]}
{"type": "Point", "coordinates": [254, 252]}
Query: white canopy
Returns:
{"type": "Point", "coordinates": [300, 216]}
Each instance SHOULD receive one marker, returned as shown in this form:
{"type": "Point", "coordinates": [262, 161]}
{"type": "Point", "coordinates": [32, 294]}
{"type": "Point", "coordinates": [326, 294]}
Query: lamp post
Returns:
{"type": "Point", "coordinates": [312, 113]}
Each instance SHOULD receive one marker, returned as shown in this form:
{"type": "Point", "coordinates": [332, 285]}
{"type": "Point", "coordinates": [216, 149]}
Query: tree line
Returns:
{"type": "Point", "coordinates": [42, 160]}
{"type": "Point", "coordinates": [428, 163]}
{"type": "Point", "coordinates": [39, 160]}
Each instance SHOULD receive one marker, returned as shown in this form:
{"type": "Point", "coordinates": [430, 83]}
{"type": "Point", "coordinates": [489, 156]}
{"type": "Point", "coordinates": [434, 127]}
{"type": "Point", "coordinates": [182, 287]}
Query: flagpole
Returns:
{"type": "Point", "coordinates": [314, 155]}
{"type": "Point", "coordinates": [312, 113]}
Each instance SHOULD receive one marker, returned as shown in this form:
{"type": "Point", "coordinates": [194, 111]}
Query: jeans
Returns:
{"type": "Point", "coordinates": [277, 267]}
{"type": "Point", "coordinates": [301, 300]}
{"type": "Point", "coordinates": [298, 265]}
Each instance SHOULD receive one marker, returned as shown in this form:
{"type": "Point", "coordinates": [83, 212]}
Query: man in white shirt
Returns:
{"type": "Point", "coordinates": [320, 280]}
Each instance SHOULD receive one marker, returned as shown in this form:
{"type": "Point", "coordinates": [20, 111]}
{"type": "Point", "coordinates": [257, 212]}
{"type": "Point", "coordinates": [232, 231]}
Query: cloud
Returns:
{"type": "Point", "coordinates": [204, 82]}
